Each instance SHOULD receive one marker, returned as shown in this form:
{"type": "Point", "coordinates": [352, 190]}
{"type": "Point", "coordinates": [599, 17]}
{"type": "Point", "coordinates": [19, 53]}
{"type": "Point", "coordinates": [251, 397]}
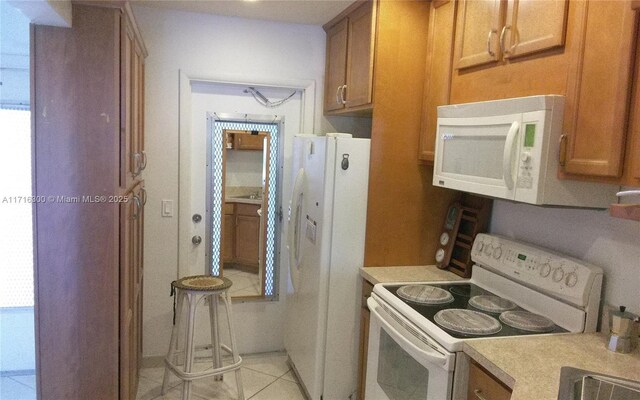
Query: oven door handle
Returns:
{"type": "Point", "coordinates": [429, 353]}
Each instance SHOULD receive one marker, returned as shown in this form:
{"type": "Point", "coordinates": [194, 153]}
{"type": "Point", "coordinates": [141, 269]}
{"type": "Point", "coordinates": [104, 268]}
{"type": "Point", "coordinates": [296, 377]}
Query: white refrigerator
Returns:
{"type": "Point", "coordinates": [326, 228]}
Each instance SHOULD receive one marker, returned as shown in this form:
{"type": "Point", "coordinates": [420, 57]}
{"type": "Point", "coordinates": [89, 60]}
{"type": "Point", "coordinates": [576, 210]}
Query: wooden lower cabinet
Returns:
{"type": "Point", "coordinates": [365, 316]}
{"type": "Point", "coordinates": [247, 239]}
{"type": "Point", "coordinates": [484, 386]}
{"type": "Point", "coordinates": [241, 234]}
{"type": "Point", "coordinates": [131, 274]}
{"type": "Point", "coordinates": [228, 236]}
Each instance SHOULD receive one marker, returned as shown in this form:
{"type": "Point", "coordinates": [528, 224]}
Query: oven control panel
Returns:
{"type": "Point", "coordinates": [536, 267]}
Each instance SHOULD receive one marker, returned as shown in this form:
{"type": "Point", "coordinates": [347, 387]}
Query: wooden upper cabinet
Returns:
{"type": "Point", "coordinates": [532, 26]}
{"type": "Point", "coordinates": [336, 72]}
{"type": "Point", "coordinates": [359, 83]}
{"type": "Point", "coordinates": [437, 85]}
{"type": "Point", "coordinates": [349, 65]}
{"type": "Point", "coordinates": [598, 95]}
{"type": "Point", "coordinates": [491, 30]}
{"type": "Point", "coordinates": [247, 141]}
{"type": "Point", "coordinates": [133, 159]}
{"type": "Point", "coordinates": [478, 30]}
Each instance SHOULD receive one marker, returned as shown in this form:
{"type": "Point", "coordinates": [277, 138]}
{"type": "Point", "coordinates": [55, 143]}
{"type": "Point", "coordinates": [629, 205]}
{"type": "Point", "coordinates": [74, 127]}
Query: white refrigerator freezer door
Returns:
{"type": "Point", "coordinates": [295, 228]}
{"type": "Point", "coordinates": [307, 302]}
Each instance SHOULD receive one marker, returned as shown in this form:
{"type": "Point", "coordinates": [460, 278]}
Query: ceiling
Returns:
{"type": "Point", "coordinates": [313, 12]}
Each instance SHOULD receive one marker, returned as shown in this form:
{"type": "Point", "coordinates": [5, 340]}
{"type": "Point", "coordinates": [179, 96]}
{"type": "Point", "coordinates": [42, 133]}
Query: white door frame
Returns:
{"type": "Point", "coordinates": [308, 99]}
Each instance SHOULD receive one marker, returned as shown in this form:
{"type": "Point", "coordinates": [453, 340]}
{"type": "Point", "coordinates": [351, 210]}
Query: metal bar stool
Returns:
{"type": "Point", "coordinates": [194, 289]}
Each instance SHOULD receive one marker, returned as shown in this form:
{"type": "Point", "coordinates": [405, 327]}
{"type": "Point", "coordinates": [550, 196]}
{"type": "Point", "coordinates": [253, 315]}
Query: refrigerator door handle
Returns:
{"type": "Point", "coordinates": [293, 234]}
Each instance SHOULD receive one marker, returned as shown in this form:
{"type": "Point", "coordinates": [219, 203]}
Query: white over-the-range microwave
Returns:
{"type": "Point", "coordinates": [508, 149]}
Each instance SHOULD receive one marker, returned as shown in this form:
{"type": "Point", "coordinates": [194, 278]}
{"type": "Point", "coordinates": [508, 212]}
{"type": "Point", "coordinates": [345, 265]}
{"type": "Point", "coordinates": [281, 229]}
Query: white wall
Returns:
{"type": "Point", "coordinates": [610, 243]}
{"type": "Point", "coordinates": [244, 168]}
{"type": "Point", "coordinates": [248, 50]}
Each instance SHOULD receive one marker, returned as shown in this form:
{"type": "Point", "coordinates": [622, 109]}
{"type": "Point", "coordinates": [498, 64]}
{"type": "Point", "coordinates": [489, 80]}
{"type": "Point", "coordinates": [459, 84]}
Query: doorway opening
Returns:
{"type": "Point", "coordinates": [17, 331]}
{"type": "Point", "coordinates": [243, 209]}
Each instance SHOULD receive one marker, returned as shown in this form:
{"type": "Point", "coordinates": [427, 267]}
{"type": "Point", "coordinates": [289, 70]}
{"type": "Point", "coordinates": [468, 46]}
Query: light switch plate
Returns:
{"type": "Point", "coordinates": [167, 208]}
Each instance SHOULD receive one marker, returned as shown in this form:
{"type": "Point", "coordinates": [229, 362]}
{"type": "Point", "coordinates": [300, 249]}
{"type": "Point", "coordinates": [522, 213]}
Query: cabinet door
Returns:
{"type": "Point", "coordinates": [484, 386]}
{"type": "Point", "coordinates": [336, 66]}
{"type": "Point", "coordinates": [228, 237]}
{"type": "Point", "coordinates": [246, 141]}
{"type": "Point", "coordinates": [477, 32]}
{"type": "Point", "coordinates": [533, 26]}
{"type": "Point", "coordinates": [437, 85]}
{"type": "Point", "coordinates": [130, 291]}
{"type": "Point", "coordinates": [127, 141]}
{"type": "Point", "coordinates": [247, 239]}
{"type": "Point", "coordinates": [597, 108]}
{"type": "Point", "coordinates": [359, 83]}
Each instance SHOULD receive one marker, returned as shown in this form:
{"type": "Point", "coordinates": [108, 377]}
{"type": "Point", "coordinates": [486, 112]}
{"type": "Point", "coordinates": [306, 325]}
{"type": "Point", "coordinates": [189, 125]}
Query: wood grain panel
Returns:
{"type": "Point", "coordinates": [437, 84]}
{"type": "Point", "coordinates": [599, 90]}
{"type": "Point", "coordinates": [478, 30]}
{"type": "Point", "coordinates": [533, 26]}
{"type": "Point", "coordinates": [632, 158]}
{"type": "Point", "coordinates": [404, 210]}
{"type": "Point", "coordinates": [336, 65]}
{"type": "Point", "coordinates": [76, 124]}
{"type": "Point", "coordinates": [483, 385]}
{"type": "Point", "coordinates": [540, 73]}
{"type": "Point", "coordinates": [359, 79]}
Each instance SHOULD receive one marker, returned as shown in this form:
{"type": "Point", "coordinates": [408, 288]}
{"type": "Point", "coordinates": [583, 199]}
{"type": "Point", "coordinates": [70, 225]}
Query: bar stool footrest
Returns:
{"type": "Point", "coordinates": [189, 376]}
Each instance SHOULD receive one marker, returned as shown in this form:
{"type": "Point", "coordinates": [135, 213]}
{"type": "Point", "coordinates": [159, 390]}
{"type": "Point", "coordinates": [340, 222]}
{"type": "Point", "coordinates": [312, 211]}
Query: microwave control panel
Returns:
{"type": "Point", "coordinates": [527, 161]}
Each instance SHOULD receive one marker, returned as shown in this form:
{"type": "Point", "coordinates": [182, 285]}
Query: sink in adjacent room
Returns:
{"type": "Point", "coordinates": [579, 384]}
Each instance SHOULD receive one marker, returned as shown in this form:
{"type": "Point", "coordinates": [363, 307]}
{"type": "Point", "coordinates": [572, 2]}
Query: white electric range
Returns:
{"type": "Point", "coordinates": [515, 289]}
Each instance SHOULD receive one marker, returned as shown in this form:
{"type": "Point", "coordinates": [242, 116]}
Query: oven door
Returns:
{"type": "Point", "coordinates": [402, 362]}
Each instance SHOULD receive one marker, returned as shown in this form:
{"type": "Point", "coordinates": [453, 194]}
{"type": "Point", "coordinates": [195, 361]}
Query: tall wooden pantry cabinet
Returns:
{"type": "Point", "coordinates": [88, 156]}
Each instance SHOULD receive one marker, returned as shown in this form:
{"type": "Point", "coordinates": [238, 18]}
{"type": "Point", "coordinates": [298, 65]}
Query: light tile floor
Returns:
{"type": "Point", "coordinates": [264, 377]}
{"type": "Point", "coordinates": [21, 387]}
{"type": "Point", "coordinates": [244, 283]}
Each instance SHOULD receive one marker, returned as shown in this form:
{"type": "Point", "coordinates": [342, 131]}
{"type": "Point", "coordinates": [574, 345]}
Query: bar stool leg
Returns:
{"type": "Point", "coordinates": [188, 362]}
{"type": "Point", "coordinates": [215, 333]}
{"type": "Point", "coordinates": [173, 345]}
{"type": "Point", "coordinates": [232, 339]}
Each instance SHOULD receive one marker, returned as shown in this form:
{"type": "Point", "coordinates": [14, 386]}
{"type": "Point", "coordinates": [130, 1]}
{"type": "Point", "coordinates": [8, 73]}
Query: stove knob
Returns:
{"type": "Point", "coordinates": [488, 250]}
{"type": "Point", "coordinates": [545, 270]}
{"type": "Point", "coordinates": [497, 253]}
{"type": "Point", "coordinates": [444, 238]}
{"type": "Point", "coordinates": [571, 279]}
{"type": "Point", "coordinates": [480, 246]}
{"type": "Point", "coordinates": [439, 256]}
{"type": "Point", "coordinates": [558, 274]}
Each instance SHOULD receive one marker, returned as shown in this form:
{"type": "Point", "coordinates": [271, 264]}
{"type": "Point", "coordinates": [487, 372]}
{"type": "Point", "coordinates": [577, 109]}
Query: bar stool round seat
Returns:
{"type": "Point", "coordinates": [193, 290]}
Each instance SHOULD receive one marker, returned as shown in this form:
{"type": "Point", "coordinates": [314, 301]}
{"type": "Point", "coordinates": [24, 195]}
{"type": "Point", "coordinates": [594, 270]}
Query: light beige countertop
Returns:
{"type": "Point", "coordinates": [531, 365]}
{"type": "Point", "coordinates": [242, 200]}
{"type": "Point", "coordinates": [421, 273]}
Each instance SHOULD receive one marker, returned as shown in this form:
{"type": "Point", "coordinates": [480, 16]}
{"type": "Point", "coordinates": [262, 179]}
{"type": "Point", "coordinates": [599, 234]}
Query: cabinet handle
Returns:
{"type": "Point", "coordinates": [491, 52]}
{"type": "Point", "coordinates": [338, 94]}
{"type": "Point", "coordinates": [144, 161]}
{"type": "Point", "coordinates": [562, 151]}
{"type": "Point", "coordinates": [136, 162]}
{"type": "Point", "coordinates": [344, 88]}
{"type": "Point", "coordinates": [502, 35]}
{"type": "Point", "coordinates": [136, 207]}
{"type": "Point", "coordinates": [478, 394]}
{"type": "Point", "coordinates": [144, 196]}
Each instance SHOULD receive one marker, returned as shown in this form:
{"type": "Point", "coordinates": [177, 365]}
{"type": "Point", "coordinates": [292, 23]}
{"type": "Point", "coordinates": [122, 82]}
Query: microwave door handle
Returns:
{"type": "Point", "coordinates": [507, 157]}
{"type": "Point", "coordinates": [430, 354]}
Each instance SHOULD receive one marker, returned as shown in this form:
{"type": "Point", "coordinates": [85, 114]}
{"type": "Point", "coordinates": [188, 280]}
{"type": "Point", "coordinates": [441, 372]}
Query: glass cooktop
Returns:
{"type": "Point", "coordinates": [462, 294]}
